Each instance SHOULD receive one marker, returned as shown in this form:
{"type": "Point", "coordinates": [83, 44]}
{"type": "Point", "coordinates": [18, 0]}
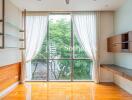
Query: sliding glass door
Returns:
{"type": "Point", "coordinates": [61, 57]}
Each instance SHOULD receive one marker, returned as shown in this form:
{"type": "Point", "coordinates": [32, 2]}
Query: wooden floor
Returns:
{"type": "Point", "coordinates": [68, 91]}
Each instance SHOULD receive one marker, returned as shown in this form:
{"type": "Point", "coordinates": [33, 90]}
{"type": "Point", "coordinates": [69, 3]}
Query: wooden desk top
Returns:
{"type": "Point", "coordinates": [124, 72]}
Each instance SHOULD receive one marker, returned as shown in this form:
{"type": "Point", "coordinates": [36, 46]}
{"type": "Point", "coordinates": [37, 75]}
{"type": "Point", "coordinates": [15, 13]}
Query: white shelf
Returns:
{"type": "Point", "coordinates": [13, 36]}
{"type": "Point", "coordinates": [6, 47]}
{"type": "Point", "coordinates": [13, 25]}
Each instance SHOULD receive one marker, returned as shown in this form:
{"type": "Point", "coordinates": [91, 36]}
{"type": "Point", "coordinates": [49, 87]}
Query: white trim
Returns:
{"type": "Point", "coordinates": [8, 90]}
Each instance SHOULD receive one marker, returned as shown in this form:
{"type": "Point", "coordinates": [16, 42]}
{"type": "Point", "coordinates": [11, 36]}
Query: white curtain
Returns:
{"type": "Point", "coordinates": [86, 30]}
{"type": "Point", "coordinates": [36, 30]}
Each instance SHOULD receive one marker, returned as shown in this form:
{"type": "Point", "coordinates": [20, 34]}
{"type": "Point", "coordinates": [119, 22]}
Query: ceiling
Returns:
{"type": "Point", "coordinates": [75, 5]}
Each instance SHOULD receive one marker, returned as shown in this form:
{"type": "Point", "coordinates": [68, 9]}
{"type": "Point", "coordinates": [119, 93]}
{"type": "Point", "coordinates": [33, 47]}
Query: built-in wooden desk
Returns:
{"type": "Point", "coordinates": [124, 72]}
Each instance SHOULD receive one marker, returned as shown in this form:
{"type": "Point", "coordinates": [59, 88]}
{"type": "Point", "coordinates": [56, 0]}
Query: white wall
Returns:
{"type": "Point", "coordinates": [107, 28]}
{"type": "Point", "coordinates": [123, 23]}
{"type": "Point", "coordinates": [10, 56]}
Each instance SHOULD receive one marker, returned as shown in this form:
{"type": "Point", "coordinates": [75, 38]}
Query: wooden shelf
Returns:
{"type": "Point", "coordinates": [11, 47]}
{"type": "Point", "coordinates": [13, 36]}
{"type": "Point", "coordinates": [121, 71]}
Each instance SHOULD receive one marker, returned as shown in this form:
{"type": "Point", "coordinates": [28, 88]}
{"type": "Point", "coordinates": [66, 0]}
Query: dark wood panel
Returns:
{"type": "Point", "coordinates": [9, 74]}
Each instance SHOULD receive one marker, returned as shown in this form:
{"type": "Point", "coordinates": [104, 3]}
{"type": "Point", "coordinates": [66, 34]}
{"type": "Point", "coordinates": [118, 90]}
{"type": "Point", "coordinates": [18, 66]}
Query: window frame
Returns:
{"type": "Point", "coordinates": [72, 57]}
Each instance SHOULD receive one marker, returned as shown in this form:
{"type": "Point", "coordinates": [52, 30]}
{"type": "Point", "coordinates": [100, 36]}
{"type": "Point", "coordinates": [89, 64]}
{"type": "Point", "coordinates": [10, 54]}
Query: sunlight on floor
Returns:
{"type": "Point", "coordinates": [68, 91]}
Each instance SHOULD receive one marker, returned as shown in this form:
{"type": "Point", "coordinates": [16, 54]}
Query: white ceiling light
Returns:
{"type": "Point", "coordinates": [67, 1]}
{"type": "Point", "coordinates": [39, 0]}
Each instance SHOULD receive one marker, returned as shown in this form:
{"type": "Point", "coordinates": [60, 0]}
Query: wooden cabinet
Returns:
{"type": "Point", "coordinates": [114, 43]}
{"type": "Point", "coordinates": [120, 43]}
{"type": "Point", "coordinates": [9, 75]}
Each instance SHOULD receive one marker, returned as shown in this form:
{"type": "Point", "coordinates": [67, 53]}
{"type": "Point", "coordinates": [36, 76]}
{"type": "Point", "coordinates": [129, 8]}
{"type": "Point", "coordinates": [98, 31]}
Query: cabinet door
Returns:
{"type": "Point", "coordinates": [114, 44]}
{"type": "Point", "coordinates": [117, 39]}
{"type": "Point", "coordinates": [117, 47]}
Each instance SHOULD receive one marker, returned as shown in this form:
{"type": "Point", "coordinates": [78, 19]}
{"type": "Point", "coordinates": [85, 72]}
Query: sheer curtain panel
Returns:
{"type": "Point", "coordinates": [36, 30]}
{"type": "Point", "coordinates": [85, 28]}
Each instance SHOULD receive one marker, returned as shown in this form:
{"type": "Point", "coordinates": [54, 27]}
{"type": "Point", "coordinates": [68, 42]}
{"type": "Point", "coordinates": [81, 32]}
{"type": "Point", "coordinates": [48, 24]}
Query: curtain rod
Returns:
{"type": "Point", "coordinates": [35, 13]}
{"type": "Point", "coordinates": [65, 11]}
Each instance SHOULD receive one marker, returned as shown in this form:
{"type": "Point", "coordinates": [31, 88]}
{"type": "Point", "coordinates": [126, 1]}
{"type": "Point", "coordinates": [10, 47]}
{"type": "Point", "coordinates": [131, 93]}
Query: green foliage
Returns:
{"type": "Point", "coordinates": [60, 33]}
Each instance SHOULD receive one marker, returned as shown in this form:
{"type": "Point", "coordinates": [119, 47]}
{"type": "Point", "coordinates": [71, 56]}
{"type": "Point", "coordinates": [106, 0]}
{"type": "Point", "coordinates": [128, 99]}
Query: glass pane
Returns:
{"type": "Point", "coordinates": [59, 70]}
{"type": "Point", "coordinates": [59, 36]}
{"type": "Point", "coordinates": [78, 50]}
{"type": "Point", "coordinates": [82, 70]}
{"type": "Point", "coordinates": [39, 69]}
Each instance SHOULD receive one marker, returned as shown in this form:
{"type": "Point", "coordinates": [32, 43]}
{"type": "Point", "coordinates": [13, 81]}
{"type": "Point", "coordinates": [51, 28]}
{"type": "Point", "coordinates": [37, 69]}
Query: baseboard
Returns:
{"type": "Point", "coordinates": [8, 90]}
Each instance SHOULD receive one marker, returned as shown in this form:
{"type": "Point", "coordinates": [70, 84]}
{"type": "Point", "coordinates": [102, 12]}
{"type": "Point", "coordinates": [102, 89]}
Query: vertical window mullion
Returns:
{"type": "Point", "coordinates": [48, 50]}
{"type": "Point", "coordinates": [72, 52]}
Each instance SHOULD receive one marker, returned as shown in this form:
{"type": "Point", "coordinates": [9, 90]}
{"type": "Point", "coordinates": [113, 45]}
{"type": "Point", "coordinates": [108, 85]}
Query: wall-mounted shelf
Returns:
{"type": "Point", "coordinates": [13, 29]}
{"type": "Point", "coordinates": [13, 25]}
{"type": "Point", "coordinates": [22, 48]}
{"type": "Point", "coordinates": [120, 43]}
{"type": "Point", "coordinates": [21, 39]}
{"type": "Point", "coordinates": [13, 36]}
{"type": "Point", "coordinates": [21, 31]}
{"type": "Point", "coordinates": [11, 48]}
